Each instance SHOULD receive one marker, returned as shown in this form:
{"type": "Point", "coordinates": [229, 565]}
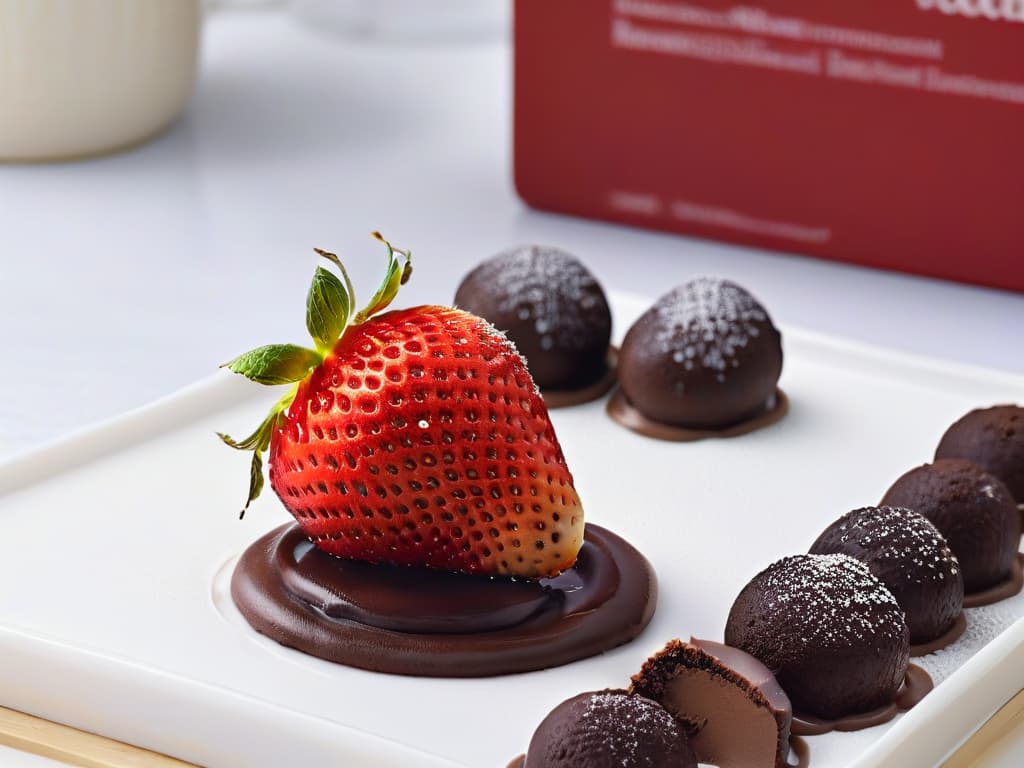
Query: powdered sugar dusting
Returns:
{"type": "Point", "coordinates": [608, 729]}
{"type": "Point", "coordinates": [636, 721]}
{"type": "Point", "coordinates": [984, 624]}
{"type": "Point", "coordinates": [831, 599]}
{"type": "Point", "coordinates": [552, 288]}
{"type": "Point", "coordinates": [706, 322]}
{"type": "Point", "coordinates": [902, 539]}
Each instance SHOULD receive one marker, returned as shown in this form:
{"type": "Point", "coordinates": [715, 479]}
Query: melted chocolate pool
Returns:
{"type": "Point", "coordinates": [916, 685]}
{"type": "Point", "coordinates": [621, 410]}
{"type": "Point", "coordinates": [415, 621]}
{"type": "Point", "coordinates": [1001, 591]}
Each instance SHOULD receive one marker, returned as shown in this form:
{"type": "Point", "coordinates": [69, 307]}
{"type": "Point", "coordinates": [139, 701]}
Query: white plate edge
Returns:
{"type": "Point", "coordinates": [975, 692]}
{"type": "Point", "coordinates": [81, 446]}
{"type": "Point", "coordinates": [213, 725]}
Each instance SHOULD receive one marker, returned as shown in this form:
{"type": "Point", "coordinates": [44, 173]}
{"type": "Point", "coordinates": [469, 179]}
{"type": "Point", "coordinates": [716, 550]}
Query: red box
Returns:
{"type": "Point", "coordinates": [884, 133]}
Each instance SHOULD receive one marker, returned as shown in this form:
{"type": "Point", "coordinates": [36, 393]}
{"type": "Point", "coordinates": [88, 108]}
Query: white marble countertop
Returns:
{"type": "Point", "coordinates": [127, 277]}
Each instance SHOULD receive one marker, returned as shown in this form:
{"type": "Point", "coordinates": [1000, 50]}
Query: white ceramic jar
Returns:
{"type": "Point", "coordinates": [82, 77]}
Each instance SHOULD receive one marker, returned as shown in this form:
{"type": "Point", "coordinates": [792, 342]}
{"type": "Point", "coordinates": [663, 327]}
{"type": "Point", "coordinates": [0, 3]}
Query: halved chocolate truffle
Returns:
{"type": "Point", "coordinates": [831, 632]}
{"type": "Point", "coordinates": [609, 729]}
{"type": "Point", "coordinates": [907, 554]}
{"type": "Point", "coordinates": [733, 709]}
{"type": "Point", "coordinates": [553, 310]}
{"type": "Point", "coordinates": [993, 438]}
{"type": "Point", "coordinates": [705, 356]}
{"type": "Point", "coordinates": [972, 509]}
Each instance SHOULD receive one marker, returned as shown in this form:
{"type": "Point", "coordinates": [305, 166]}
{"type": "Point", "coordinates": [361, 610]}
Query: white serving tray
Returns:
{"type": "Point", "coordinates": [114, 615]}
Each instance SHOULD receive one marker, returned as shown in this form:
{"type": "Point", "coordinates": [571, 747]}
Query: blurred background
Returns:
{"type": "Point", "coordinates": [168, 166]}
{"type": "Point", "coordinates": [128, 275]}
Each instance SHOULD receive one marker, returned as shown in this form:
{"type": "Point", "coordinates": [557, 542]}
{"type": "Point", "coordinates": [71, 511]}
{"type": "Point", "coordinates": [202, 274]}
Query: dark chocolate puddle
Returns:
{"type": "Point", "coordinates": [621, 410]}
{"type": "Point", "coordinates": [422, 622]}
{"type": "Point", "coordinates": [916, 685]}
{"type": "Point", "coordinates": [948, 637]}
{"type": "Point", "coordinates": [1008, 588]}
{"type": "Point", "coordinates": [566, 398]}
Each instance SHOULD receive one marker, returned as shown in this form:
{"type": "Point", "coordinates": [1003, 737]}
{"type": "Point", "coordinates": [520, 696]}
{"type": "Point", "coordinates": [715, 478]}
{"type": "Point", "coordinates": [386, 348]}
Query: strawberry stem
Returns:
{"type": "Point", "coordinates": [333, 258]}
{"type": "Point", "coordinates": [397, 275]}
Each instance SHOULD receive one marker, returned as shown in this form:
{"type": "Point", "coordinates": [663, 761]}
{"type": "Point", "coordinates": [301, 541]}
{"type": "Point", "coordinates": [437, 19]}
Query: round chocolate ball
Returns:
{"type": "Point", "coordinates": [552, 309]}
{"type": "Point", "coordinates": [972, 509]}
{"type": "Point", "coordinates": [993, 438]}
{"type": "Point", "coordinates": [609, 729]}
{"type": "Point", "coordinates": [832, 634]}
{"type": "Point", "coordinates": [705, 356]}
{"type": "Point", "coordinates": [907, 554]}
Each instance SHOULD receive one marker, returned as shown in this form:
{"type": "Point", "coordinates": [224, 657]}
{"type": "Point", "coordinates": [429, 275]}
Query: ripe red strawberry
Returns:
{"type": "Point", "coordinates": [413, 437]}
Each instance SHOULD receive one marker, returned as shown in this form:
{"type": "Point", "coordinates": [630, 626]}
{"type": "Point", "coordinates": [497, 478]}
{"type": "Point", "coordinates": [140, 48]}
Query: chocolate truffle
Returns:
{"type": "Point", "coordinates": [831, 632]}
{"type": "Point", "coordinates": [732, 708]}
{"type": "Point", "coordinates": [609, 729]}
{"type": "Point", "coordinates": [972, 509]}
{"type": "Point", "coordinates": [993, 438]}
{"type": "Point", "coordinates": [907, 554]}
{"type": "Point", "coordinates": [552, 309]}
{"type": "Point", "coordinates": [705, 356]}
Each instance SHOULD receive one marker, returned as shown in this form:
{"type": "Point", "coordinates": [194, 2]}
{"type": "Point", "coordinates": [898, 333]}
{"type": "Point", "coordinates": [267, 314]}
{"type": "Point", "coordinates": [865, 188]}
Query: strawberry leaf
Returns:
{"type": "Point", "coordinates": [275, 363]}
{"type": "Point", "coordinates": [248, 444]}
{"type": "Point", "coordinates": [258, 442]}
{"type": "Point", "coordinates": [328, 306]}
{"type": "Point", "coordinates": [255, 481]}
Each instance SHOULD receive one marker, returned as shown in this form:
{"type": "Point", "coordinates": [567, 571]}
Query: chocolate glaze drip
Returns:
{"type": "Point", "coordinates": [1008, 588]}
{"type": "Point", "coordinates": [415, 621]}
{"type": "Point", "coordinates": [916, 685]}
{"type": "Point", "coordinates": [621, 410]}
{"type": "Point", "coordinates": [949, 637]}
{"type": "Point", "coordinates": [565, 398]}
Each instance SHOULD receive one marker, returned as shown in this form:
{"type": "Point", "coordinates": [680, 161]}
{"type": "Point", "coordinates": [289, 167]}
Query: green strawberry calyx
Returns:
{"type": "Point", "coordinates": [330, 311]}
